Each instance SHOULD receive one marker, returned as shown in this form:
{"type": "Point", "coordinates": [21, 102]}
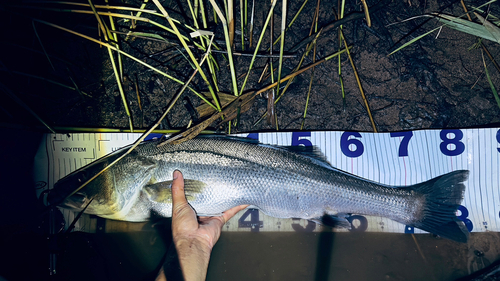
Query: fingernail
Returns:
{"type": "Point", "coordinates": [176, 174]}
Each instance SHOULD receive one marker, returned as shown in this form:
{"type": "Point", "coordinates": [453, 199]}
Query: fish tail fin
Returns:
{"type": "Point", "coordinates": [442, 196]}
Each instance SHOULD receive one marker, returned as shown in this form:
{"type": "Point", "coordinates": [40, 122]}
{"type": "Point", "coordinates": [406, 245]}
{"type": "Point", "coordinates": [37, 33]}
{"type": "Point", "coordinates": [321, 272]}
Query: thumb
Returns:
{"type": "Point", "coordinates": [178, 196]}
{"type": "Point", "coordinates": [180, 206]}
{"type": "Point", "coordinates": [183, 216]}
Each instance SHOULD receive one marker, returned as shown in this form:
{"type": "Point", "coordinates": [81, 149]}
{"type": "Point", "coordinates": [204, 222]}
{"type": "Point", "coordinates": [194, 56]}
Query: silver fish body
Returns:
{"type": "Point", "coordinates": [283, 182]}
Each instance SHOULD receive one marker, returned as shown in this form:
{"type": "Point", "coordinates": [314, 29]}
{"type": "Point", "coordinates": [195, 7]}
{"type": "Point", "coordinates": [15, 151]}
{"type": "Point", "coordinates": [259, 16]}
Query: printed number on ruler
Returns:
{"type": "Point", "coordinates": [346, 144]}
{"type": "Point", "coordinates": [464, 216]}
{"type": "Point", "coordinates": [358, 223]}
{"type": "Point", "coordinates": [498, 140]}
{"type": "Point", "coordinates": [452, 146]}
{"type": "Point", "coordinates": [298, 139]}
{"type": "Point", "coordinates": [301, 138]}
{"type": "Point", "coordinates": [403, 146]}
{"type": "Point", "coordinates": [254, 136]}
{"type": "Point", "coordinates": [403, 152]}
{"type": "Point", "coordinates": [254, 223]}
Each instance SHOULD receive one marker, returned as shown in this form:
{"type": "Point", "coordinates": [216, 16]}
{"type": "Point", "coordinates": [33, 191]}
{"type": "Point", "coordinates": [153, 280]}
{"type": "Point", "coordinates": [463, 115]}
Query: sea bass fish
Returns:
{"type": "Point", "coordinates": [283, 182]}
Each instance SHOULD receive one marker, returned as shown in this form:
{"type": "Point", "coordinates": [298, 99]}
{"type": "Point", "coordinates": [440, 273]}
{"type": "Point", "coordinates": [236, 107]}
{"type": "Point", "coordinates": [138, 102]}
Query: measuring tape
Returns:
{"type": "Point", "coordinates": [398, 159]}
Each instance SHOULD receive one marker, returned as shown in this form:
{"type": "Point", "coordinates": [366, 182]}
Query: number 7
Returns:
{"type": "Point", "coordinates": [403, 146]}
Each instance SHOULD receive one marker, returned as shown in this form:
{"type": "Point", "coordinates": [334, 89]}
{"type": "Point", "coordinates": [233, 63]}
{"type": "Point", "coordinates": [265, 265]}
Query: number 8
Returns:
{"type": "Point", "coordinates": [459, 146]}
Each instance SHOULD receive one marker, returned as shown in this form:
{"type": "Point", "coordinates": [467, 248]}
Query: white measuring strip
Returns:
{"type": "Point", "coordinates": [403, 158]}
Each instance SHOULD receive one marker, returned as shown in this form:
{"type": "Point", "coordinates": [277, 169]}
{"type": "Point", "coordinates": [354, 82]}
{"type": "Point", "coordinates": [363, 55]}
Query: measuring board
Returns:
{"type": "Point", "coordinates": [399, 159]}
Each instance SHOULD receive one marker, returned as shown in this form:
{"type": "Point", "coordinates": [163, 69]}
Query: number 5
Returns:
{"type": "Point", "coordinates": [299, 138]}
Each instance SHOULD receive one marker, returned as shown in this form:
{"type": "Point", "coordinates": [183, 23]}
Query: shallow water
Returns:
{"type": "Point", "coordinates": [284, 256]}
{"type": "Point", "coordinates": [349, 256]}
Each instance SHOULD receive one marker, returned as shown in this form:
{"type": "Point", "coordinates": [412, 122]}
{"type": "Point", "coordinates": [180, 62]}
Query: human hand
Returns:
{"type": "Point", "coordinates": [194, 237]}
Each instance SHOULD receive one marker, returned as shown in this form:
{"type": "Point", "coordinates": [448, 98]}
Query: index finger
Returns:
{"type": "Point", "coordinates": [233, 211]}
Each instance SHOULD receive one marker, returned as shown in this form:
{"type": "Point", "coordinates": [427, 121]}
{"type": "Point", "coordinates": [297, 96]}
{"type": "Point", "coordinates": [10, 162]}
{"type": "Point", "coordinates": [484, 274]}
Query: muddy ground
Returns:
{"type": "Point", "coordinates": [435, 83]}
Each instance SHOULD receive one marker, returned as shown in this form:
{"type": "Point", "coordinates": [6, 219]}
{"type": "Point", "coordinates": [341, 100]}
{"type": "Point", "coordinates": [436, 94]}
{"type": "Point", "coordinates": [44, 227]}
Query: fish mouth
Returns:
{"type": "Point", "coordinates": [76, 201]}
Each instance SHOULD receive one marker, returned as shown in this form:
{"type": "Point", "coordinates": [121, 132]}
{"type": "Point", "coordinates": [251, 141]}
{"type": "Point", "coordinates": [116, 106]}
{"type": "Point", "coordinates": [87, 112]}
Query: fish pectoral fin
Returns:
{"type": "Point", "coordinates": [194, 186]}
{"type": "Point", "coordinates": [335, 221]}
{"type": "Point", "coordinates": [161, 191]}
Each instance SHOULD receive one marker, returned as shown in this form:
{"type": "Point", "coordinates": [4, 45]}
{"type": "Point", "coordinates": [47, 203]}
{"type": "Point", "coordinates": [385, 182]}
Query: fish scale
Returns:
{"type": "Point", "coordinates": [283, 182]}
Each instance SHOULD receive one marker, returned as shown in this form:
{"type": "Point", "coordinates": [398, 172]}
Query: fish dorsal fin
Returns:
{"type": "Point", "coordinates": [228, 137]}
{"type": "Point", "coordinates": [161, 192]}
{"type": "Point", "coordinates": [309, 151]}
{"type": "Point", "coordinates": [312, 152]}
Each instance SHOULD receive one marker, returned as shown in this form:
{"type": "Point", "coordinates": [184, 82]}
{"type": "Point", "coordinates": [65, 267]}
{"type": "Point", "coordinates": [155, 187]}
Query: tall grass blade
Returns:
{"type": "Point", "coordinates": [141, 8]}
{"type": "Point", "coordinates": [127, 55]}
{"type": "Point", "coordinates": [137, 91]}
{"type": "Point", "coordinates": [293, 20]}
{"type": "Point", "coordinates": [367, 13]}
{"type": "Point", "coordinates": [193, 15]}
{"type": "Point", "coordinates": [108, 36]}
{"type": "Point", "coordinates": [269, 15]}
{"type": "Point", "coordinates": [487, 30]}
{"type": "Point", "coordinates": [250, 40]}
{"type": "Point", "coordinates": [228, 45]}
{"type": "Point", "coordinates": [230, 20]}
{"type": "Point", "coordinates": [359, 84]}
{"type": "Point", "coordinates": [298, 71]}
{"type": "Point", "coordinates": [134, 18]}
{"type": "Point", "coordinates": [315, 25]}
{"type": "Point", "coordinates": [116, 43]}
{"type": "Point", "coordinates": [492, 86]}
{"type": "Point", "coordinates": [491, 28]}
{"type": "Point", "coordinates": [186, 47]}
{"type": "Point", "coordinates": [124, 8]}
{"type": "Point", "coordinates": [307, 100]}
{"type": "Point", "coordinates": [102, 26]}
{"type": "Point", "coordinates": [282, 46]}
{"type": "Point", "coordinates": [271, 95]}
{"type": "Point", "coordinates": [212, 64]}
{"type": "Point", "coordinates": [41, 45]}
{"type": "Point", "coordinates": [74, 84]}
{"type": "Point", "coordinates": [202, 12]}
{"type": "Point", "coordinates": [414, 40]}
{"type": "Point", "coordinates": [242, 25]}
{"type": "Point", "coordinates": [341, 79]}
{"type": "Point", "coordinates": [482, 45]}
